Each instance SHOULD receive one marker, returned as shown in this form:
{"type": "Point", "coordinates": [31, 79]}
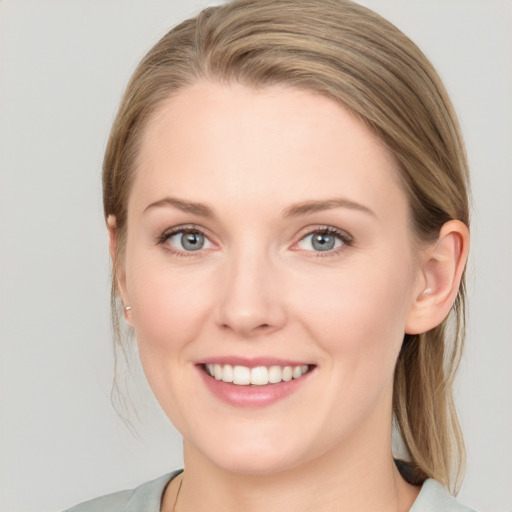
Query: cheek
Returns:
{"type": "Point", "coordinates": [169, 306]}
{"type": "Point", "coordinates": [169, 311]}
{"type": "Point", "coordinates": [359, 313]}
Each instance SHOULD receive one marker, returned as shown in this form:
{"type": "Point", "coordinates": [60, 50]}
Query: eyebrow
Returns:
{"type": "Point", "coordinates": [186, 206]}
{"type": "Point", "coordinates": [308, 207]}
{"type": "Point", "coordinates": [296, 210]}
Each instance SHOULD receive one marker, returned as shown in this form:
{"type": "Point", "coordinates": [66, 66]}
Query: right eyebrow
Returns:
{"type": "Point", "coordinates": [186, 206]}
{"type": "Point", "coordinates": [308, 207]}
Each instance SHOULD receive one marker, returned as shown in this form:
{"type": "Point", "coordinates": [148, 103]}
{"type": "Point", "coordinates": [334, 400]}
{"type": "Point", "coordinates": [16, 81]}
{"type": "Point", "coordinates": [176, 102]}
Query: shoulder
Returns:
{"type": "Point", "coordinates": [144, 498]}
{"type": "Point", "coordinates": [434, 497]}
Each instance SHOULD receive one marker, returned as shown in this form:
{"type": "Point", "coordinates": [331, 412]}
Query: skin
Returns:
{"type": "Point", "coordinates": [259, 288]}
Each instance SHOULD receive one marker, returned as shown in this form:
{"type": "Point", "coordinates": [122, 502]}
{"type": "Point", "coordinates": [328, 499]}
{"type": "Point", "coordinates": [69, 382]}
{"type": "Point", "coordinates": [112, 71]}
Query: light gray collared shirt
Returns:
{"type": "Point", "coordinates": [433, 497]}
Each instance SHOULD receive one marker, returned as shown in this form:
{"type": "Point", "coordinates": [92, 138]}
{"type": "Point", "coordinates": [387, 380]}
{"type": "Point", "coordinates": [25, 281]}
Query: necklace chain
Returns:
{"type": "Point", "coordinates": [181, 483]}
{"type": "Point", "coordinates": [178, 494]}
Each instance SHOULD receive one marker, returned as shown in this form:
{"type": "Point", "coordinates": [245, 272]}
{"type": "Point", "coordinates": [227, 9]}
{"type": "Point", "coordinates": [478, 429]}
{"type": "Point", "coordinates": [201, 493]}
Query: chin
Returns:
{"type": "Point", "coordinates": [255, 453]}
{"type": "Point", "coordinates": [255, 462]}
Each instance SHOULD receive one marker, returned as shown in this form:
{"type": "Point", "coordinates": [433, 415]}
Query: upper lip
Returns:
{"type": "Point", "coordinates": [252, 362]}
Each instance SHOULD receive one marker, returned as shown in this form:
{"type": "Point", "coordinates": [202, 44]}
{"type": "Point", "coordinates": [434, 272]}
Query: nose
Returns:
{"type": "Point", "coordinates": [251, 302]}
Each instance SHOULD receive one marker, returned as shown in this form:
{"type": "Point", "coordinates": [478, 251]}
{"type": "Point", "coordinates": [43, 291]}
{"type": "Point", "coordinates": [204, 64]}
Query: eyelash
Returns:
{"type": "Point", "coordinates": [346, 239]}
{"type": "Point", "coordinates": [166, 235]}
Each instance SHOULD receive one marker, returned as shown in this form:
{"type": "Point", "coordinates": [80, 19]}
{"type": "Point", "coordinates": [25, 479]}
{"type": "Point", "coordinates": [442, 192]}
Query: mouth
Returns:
{"type": "Point", "coordinates": [253, 383]}
{"type": "Point", "coordinates": [255, 376]}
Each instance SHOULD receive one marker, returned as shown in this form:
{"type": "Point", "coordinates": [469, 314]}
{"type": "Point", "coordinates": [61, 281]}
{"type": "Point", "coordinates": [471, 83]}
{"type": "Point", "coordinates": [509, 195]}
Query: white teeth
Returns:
{"type": "Point", "coordinates": [257, 376]}
{"type": "Point", "coordinates": [297, 372]}
{"type": "Point", "coordinates": [241, 375]}
{"type": "Point", "coordinates": [227, 373]}
{"type": "Point", "coordinates": [274, 374]}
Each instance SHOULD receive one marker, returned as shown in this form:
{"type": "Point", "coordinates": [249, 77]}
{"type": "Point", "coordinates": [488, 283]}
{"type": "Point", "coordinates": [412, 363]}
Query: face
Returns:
{"type": "Point", "coordinates": [270, 270]}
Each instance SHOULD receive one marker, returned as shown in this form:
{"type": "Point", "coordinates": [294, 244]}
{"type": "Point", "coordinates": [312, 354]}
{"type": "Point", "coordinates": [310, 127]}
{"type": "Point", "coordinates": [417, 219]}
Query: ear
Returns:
{"type": "Point", "coordinates": [119, 271]}
{"type": "Point", "coordinates": [441, 271]}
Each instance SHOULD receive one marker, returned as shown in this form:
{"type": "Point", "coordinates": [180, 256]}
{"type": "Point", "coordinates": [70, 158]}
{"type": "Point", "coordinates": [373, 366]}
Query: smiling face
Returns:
{"type": "Point", "coordinates": [268, 239]}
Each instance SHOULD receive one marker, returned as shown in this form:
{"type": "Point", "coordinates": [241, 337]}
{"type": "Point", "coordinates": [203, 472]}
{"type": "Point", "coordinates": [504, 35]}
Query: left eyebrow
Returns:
{"type": "Point", "coordinates": [186, 206]}
{"type": "Point", "coordinates": [308, 207]}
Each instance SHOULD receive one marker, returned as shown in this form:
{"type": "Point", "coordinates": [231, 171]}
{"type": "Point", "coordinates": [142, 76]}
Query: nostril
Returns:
{"type": "Point", "coordinates": [261, 326]}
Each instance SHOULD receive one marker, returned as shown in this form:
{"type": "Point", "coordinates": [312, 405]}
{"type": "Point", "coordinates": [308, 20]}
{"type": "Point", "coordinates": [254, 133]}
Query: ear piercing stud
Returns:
{"type": "Point", "coordinates": [127, 308]}
{"type": "Point", "coordinates": [424, 293]}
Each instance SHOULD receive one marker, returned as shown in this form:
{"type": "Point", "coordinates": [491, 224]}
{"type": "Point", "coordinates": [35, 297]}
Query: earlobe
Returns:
{"type": "Point", "coordinates": [441, 273]}
{"type": "Point", "coordinates": [118, 269]}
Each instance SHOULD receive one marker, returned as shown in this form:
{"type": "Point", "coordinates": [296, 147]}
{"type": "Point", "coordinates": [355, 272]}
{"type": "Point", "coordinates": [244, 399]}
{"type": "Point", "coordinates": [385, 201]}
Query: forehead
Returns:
{"type": "Point", "coordinates": [230, 141]}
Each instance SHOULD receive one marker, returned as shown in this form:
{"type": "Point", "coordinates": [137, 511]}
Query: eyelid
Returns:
{"type": "Point", "coordinates": [344, 236]}
{"type": "Point", "coordinates": [183, 228]}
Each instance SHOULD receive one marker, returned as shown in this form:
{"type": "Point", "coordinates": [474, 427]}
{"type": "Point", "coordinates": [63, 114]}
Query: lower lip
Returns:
{"type": "Point", "coordinates": [251, 396]}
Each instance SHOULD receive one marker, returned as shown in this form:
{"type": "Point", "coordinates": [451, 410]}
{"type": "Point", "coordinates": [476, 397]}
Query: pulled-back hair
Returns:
{"type": "Point", "coordinates": [350, 54]}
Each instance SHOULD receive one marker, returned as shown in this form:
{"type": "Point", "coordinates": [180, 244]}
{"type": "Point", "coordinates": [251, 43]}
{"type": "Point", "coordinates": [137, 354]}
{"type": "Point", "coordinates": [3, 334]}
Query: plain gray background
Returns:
{"type": "Point", "coordinates": [64, 65]}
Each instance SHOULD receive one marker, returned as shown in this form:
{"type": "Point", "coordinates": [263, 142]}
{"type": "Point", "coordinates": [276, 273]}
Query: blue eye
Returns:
{"type": "Point", "coordinates": [187, 240]}
{"type": "Point", "coordinates": [324, 240]}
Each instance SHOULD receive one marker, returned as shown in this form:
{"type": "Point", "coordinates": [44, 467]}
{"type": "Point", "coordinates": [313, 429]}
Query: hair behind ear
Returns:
{"type": "Point", "coordinates": [423, 402]}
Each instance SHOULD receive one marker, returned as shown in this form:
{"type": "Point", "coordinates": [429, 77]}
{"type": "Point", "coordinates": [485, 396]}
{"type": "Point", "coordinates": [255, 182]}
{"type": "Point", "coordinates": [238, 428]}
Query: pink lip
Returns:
{"type": "Point", "coordinates": [251, 396]}
{"type": "Point", "coordinates": [252, 362]}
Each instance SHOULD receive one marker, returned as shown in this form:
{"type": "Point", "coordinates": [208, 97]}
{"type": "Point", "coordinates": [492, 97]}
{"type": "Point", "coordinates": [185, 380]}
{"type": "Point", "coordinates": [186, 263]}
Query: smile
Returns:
{"type": "Point", "coordinates": [256, 376]}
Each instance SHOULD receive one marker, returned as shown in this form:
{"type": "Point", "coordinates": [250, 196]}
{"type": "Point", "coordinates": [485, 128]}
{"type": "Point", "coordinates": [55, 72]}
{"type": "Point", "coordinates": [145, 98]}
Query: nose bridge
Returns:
{"type": "Point", "coordinates": [251, 301]}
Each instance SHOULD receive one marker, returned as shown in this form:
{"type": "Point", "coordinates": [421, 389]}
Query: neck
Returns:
{"type": "Point", "coordinates": [359, 484]}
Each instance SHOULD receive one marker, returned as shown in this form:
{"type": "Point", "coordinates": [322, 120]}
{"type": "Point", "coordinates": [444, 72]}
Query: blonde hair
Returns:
{"type": "Point", "coordinates": [350, 54]}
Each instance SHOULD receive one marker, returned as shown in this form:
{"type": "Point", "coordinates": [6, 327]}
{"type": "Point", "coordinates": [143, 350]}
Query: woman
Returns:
{"type": "Point", "coordinates": [285, 189]}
